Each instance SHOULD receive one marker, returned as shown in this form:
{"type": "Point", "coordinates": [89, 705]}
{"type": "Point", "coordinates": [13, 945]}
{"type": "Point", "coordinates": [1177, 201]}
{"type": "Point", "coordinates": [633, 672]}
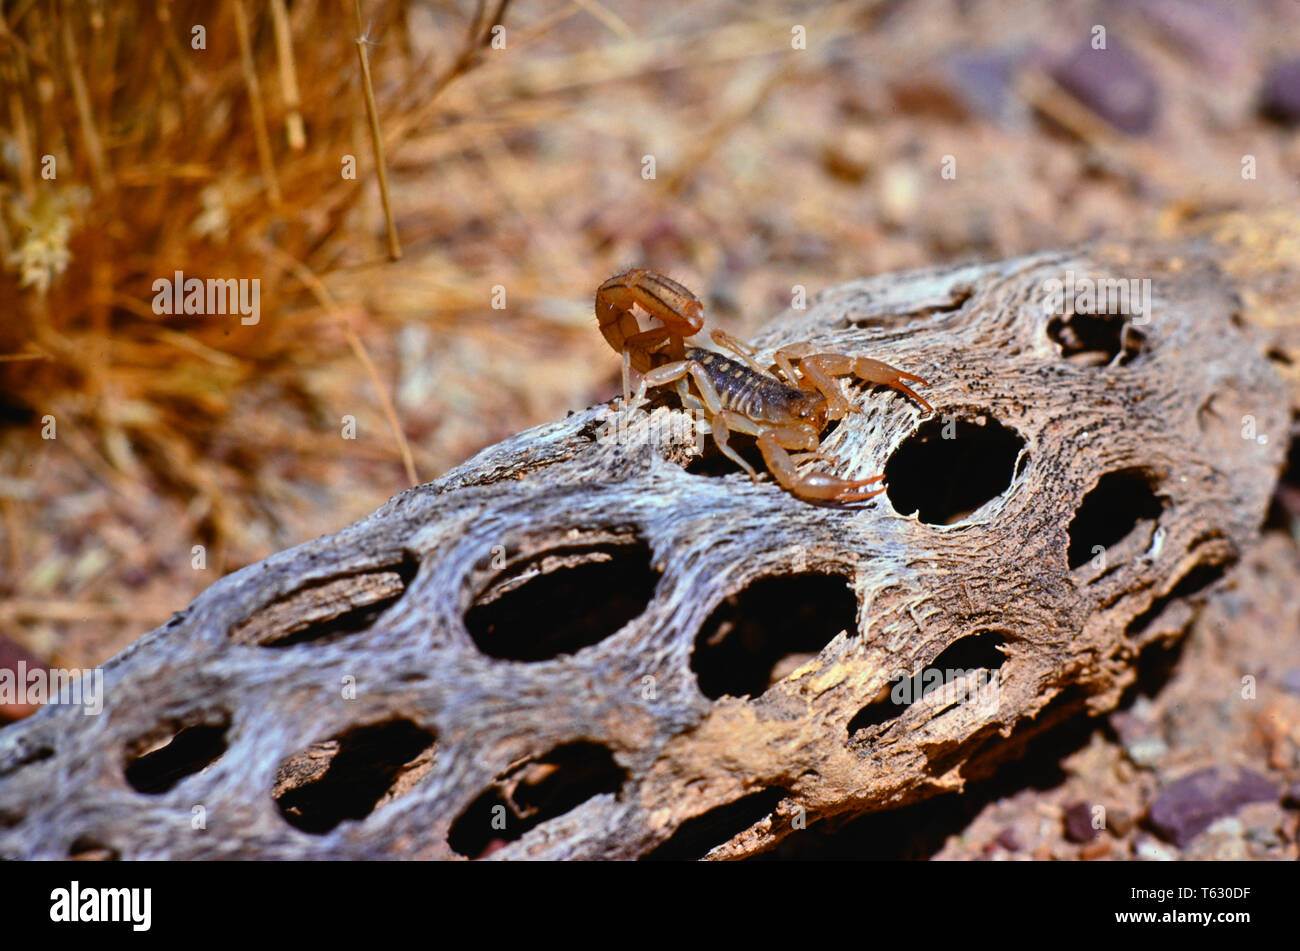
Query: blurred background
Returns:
{"type": "Point", "coordinates": [532, 149]}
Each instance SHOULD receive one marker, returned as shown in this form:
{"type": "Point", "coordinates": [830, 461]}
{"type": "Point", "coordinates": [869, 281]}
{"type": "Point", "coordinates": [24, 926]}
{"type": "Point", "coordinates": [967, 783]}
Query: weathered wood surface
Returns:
{"type": "Point", "coordinates": [616, 734]}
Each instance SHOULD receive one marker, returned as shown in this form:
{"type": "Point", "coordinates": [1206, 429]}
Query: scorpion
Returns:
{"type": "Point", "coordinates": [785, 408]}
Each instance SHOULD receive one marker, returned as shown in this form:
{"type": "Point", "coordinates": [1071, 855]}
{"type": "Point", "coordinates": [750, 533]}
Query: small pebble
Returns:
{"type": "Point", "coordinates": [1120, 822]}
{"type": "Point", "coordinates": [1149, 850]}
{"type": "Point", "coordinates": [1114, 83]}
{"type": "Point", "coordinates": [1208, 32]}
{"type": "Point", "coordinates": [1008, 839]}
{"type": "Point", "coordinates": [984, 82]}
{"type": "Point", "coordinates": [1134, 723]}
{"type": "Point", "coordinates": [1291, 798]}
{"type": "Point", "coordinates": [1078, 823]}
{"type": "Point", "coordinates": [1228, 826]}
{"type": "Point", "coordinates": [1095, 850]}
{"type": "Point", "coordinates": [1147, 751]}
{"type": "Point", "coordinates": [900, 193]}
{"type": "Point", "coordinates": [851, 153]}
{"type": "Point", "coordinates": [1185, 808]}
{"type": "Point", "coordinates": [1221, 842]}
{"type": "Point", "coordinates": [1261, 824]}
{"type": "Point", "coordinates": [1280, 97]}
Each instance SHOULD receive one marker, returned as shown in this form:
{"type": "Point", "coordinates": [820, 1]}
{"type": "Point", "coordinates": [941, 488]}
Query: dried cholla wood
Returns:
{"type": "Point", "coordinates": [502, 706]}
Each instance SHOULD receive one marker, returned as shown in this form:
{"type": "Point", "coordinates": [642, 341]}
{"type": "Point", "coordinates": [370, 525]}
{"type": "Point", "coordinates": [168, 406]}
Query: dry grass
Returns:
{"type": "Point", "coordinates": [163, 162]}
{"type": "Point", "coordinates": [518, 168]}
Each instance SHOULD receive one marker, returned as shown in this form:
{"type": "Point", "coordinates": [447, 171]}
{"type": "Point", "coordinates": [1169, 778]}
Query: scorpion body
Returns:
{"type": "Point", "coordinates": [754, 395]}
{"type": "Point", "coordinates": [786, 408]}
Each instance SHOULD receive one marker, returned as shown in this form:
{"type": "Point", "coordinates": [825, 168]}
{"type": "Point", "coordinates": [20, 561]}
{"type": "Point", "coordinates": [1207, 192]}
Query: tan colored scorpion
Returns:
{"type": "Point", "coordinates": [785, 409]}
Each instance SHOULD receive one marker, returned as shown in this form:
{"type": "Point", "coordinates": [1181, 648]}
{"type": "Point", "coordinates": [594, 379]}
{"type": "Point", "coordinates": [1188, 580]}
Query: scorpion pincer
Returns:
{"type": "Point", "coordinates": [784, 408]}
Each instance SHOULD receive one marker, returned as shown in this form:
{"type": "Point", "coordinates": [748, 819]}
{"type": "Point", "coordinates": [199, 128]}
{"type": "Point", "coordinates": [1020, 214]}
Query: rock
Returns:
{"type": "Point", "coordinates": [1280, 97]}
{"type": "Point", "coordinates": [1291, 798]}
{"type": "Point", "coordinates": [1147, 752]}
{"type": "Point", "coordinates": [1262, 824]}
{"type": "Point", "coordinates": [1078, 823]}
{"type": "Point", "coordinates": [851, 153]}
{"type": "Point", "coordinates": [1147, 849]}
{"type": "Point", "coordinates": [1139, 734]}
{"type": "Point", "coordinates": [1114, 83]}
{"type": "Point", "coordinates": [1009, 840]}
{"type": "Point", "coordinates": [984, 82]}
{"type": "Point", "coordinates": [1208, 32]}
{"type": "Point", "coordinates": [1136, 720]}
{"type": "Point", "coordinates": [1095, 851]}
{"type": "Point", "coordinates": [962, 85]}
{"type": "Point", "coordinates": [1120, 822]}
{"type": "Point", "coordinates": [1221, 842]}
{"type": "Point", "coordinates": [1186, 808]}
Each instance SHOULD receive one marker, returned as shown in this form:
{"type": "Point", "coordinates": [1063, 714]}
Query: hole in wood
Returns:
{"type": "Point", "coordinates": [1096, 340]}
{"type": "Point", "coordinates": [88, 849]}
{"type": "Point", "coordinates": [158, 761]}
{"type": "Point", "coordinates": [327, 611]}
{"type": "Point", "coordinates": [949, 468]}
{"type": "Point", "coordinates": [943, 756]}
{"type": "Point", "coordinates": [1284, 506]}
{"type": "Point", "coordinates": [1122, 503]}
{"type": "Point", "coordinates": [562, 600]}
{"type": "Point", "coordinates": [1157, 664]}
{"type": "Point", "coordinates": [765, 631]}
{"type": "Point", "coordinates": [532, 793]}
{"type": "Point", "coordinates": [979, 654]}
{"type": "Point", "coordinates": [713, 463]}
{"type": "Point", "coordinates": [1030, 759]}
{"type": "Point", "coordinates": [698, 836]}
{"type": "Point", "coordinates": [350, 775]}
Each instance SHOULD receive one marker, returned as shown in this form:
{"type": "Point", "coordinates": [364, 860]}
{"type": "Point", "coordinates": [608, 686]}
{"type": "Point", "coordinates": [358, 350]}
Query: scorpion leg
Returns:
{"type": "Point", "coordinates": [814, 485]}
{"type": "Point", "coordinates": [874, 371]}
{"type": "Point", "coordinates": [773, 441]}
{"type": "Point", "coordinates": [642, 344]}
{"type": "Point", "coordinates": [742, 350]}
{"type": "Point", "coordinates": [712, 403]}
{"type": "Point", "coordinates": [747, 353]}
{"type": "Point", "coordinates": [821, 366]}
{"type": "Point", "coordinates": [817, 380]}
{"type": "Point", "coordinates": [782, 359]}
{"type": "Point", "coordinates": [724, 423]}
